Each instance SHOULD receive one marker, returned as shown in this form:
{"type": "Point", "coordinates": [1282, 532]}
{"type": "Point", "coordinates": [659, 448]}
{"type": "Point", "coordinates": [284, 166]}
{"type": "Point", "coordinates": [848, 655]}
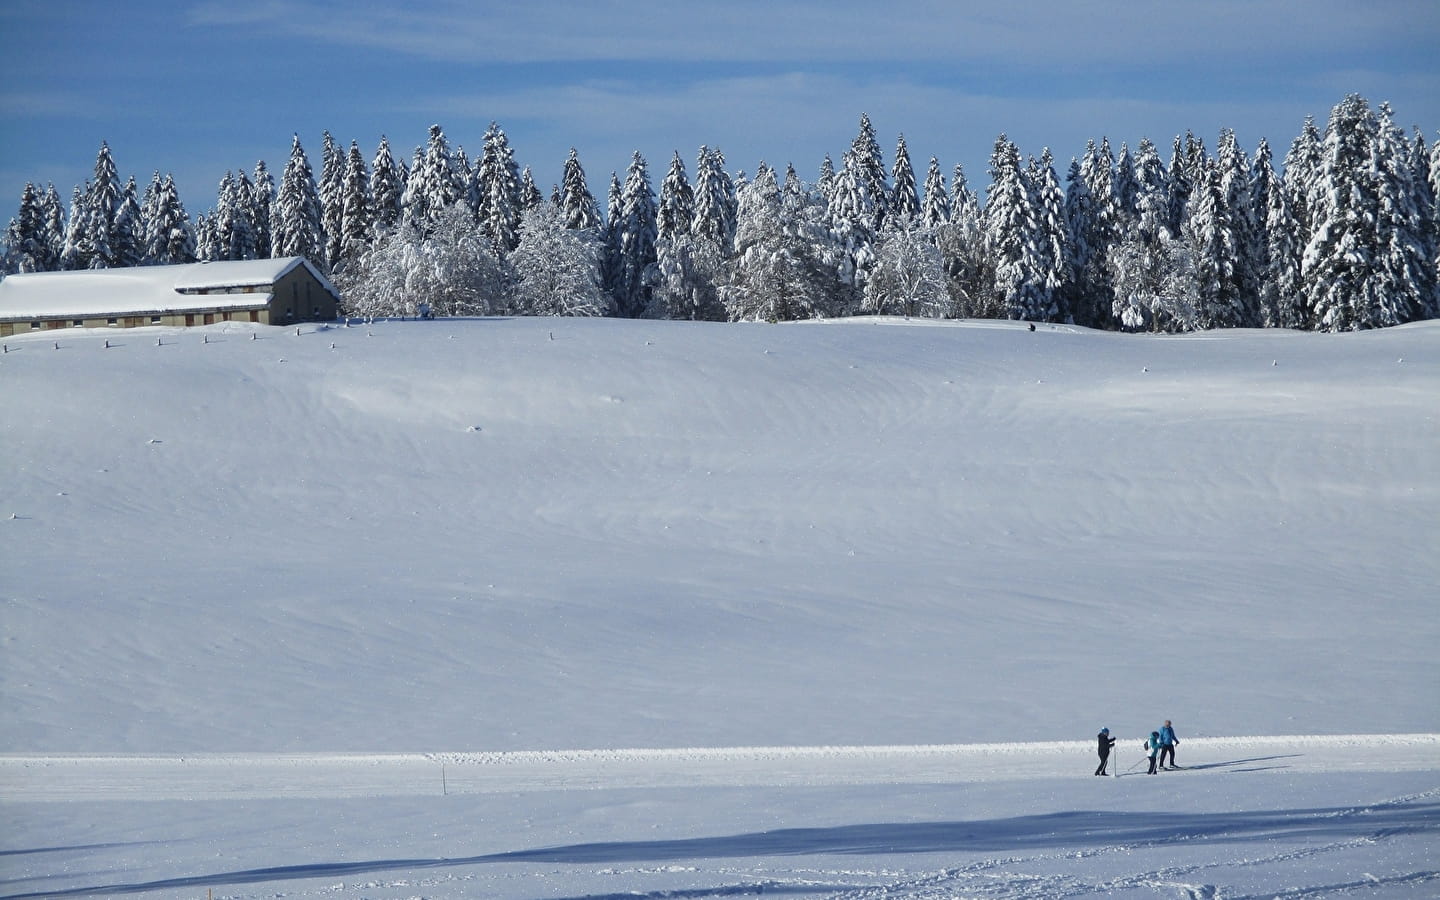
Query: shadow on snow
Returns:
{"type": "Point", "coordinates": [1054, 830]}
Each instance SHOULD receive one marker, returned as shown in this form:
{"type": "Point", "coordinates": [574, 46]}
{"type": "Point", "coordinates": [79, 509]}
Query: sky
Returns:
{"type": "Point", "coordinates": [199, 88]}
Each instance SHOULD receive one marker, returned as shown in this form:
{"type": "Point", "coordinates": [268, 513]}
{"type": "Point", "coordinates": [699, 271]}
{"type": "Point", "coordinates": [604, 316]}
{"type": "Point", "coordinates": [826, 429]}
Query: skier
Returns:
{"type": "Point", "coordinates": [1153, 745]}
{"type": "Point", "coordinates": [1168, 740]}
{"type": "Point", "coordinates": [1106, 742]}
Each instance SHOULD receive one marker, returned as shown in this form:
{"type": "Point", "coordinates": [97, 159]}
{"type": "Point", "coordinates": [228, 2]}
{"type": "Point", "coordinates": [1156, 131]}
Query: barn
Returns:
{"type": "Point", "coordinates": [265, 291]}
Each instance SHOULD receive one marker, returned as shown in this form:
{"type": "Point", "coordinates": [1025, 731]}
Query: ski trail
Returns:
{"type": "Point", "coordinates": [336, 775]}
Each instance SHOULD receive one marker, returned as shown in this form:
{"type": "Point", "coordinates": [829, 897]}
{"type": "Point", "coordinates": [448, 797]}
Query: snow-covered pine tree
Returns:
{"type": "Point", "coordinates": [610, 243]}
{"type": "Point", "coordinates": [867, 166]}
{"type": "Point", "coordinates": [234, 218]}
{"type": "Point", "coordinates": [677, 203]}
{"type": "Point", "coordinates": [904, 201]}
{"type": "Point", "coordinates": [577, 204]}
{"type": "Point", "coordinates": [1079, 213]}
{"type": "Point", "coordinates": [530, 196]}
{"type": "Point", "coordinates": [1010, 235]}
{"type": "Point", "coordinates": [715, 200]}
{"type": "Point", "coordinates": [557, 268]}
{"type": "Point", "coordinates": [1434, 172]}
{"type": "Point", "coordinates": [170, 236]}
{"type": "Point", "coordinates": [296, 228]}
{"type": "Point", "coordinates": [1403, 268]}
{"type": "Point", "coordinates": [125, 241]}
{"type": "Point", "coordinates": [1210, 236]}
{"type": "Point", "coordinates": [53, 214]}
{"type": "Point", "coordinates": [103, 198]}
{"type": "Point", "coordinates": [636, 241]}
{"type": "Point", "coordinates": [357, 227]}
{"type": "Point", "coordinates": [332, 195]}
{"type": "Point", "coordinates": [25, 249]}
{"type": "Point", "coordinates": [1102, 233]}
{"type": "Point", "coordinates": [1234, 176]}
{"type": "Point", "coordinates": [935, 209]}
{"type": "Point", "coordinates": [434, 183]}
{"type": "Point", "coordinates": [263, 194]}
{"type": "Point", "coordinates": [825, 183]}
{"type": "Point", "coordinates": [497, 182]}
{"type": "Point", "coordinates": [1126, 190]}
{"type": "Point", "coordinates": [386, 187]}
{"type": "Point", "coordinates": [1339, 262]}
{"type": "Point", "coordinates": [1279, 246]}
{"type": "Point", "coordinates": [1052, 242]}
{"type": "Point", "coordinates": [851, 214]}
{"type": "Point", "coordinates": [74, 250]}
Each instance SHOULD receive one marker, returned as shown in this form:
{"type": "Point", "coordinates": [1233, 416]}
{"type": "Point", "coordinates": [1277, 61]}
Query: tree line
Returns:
{"type": "Point", "coordinates": [1344, 234]}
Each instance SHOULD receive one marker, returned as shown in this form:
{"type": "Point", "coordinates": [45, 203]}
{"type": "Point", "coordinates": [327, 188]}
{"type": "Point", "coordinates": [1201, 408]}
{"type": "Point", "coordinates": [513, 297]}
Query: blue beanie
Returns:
{"type": "Point", "coordinates": [1104, 731]}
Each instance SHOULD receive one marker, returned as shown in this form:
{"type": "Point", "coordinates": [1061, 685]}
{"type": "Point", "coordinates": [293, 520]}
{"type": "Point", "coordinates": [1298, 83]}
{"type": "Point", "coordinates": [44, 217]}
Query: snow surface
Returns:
{"type": "Point", "coordinates": [883, 582]}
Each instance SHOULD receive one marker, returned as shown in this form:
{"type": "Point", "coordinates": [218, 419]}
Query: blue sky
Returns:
{"type": "Point", "coordinates": [198, 88]}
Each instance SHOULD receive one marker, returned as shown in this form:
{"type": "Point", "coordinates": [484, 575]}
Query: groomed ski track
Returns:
{"type": "Point", "coordinates": [211, 776]}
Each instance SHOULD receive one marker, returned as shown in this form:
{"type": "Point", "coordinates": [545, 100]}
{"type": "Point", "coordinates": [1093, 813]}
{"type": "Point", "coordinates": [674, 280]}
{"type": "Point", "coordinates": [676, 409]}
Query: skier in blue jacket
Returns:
{"type": "Point", "coordinates": [1168, 740]}
{"type": "Point", "coordinates": [1153, 746]}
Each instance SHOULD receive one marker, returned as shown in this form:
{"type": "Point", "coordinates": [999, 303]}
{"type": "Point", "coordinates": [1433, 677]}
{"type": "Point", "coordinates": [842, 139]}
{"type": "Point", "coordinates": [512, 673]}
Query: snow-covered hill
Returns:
{"type": "Point", "coordinates": [461, 538]}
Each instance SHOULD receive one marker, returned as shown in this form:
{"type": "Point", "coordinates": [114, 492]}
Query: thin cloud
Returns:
{"type": "Point", "coordinates": [1072, 32]}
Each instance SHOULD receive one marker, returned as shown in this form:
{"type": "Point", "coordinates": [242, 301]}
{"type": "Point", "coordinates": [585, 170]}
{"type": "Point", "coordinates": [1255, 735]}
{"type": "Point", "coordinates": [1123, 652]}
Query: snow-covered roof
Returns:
{"type": "Point", "coordinates": [144, 289]}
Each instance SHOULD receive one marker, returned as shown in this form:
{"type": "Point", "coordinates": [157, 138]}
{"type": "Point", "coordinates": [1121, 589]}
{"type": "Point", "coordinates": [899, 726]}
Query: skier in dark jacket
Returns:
{"type": "Point", "coordinates": [1106, 742]}
{"type": "Point", "coordinates": [1168, 740]}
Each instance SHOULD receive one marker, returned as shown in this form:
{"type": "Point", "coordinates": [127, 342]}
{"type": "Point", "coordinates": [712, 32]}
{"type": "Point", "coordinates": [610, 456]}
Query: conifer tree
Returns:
{"type": "Point", "coordinates": [1279, 245]}
{"type": "Point", "coordinates": [577, 205]}
{"type": "Point", "coordinates": [825, 184]}
{"type": "Point", "coordinates": [530, 196]}
{"type": "Point", "coordinates": [1125, 192]}
{"type": "Point", "coordinates": [1009, 233]}
{"type": "Point", "coordinates": [53, 215]}
{"type": "Point", "coordinates": [125, 249]}
{"type": "Point", "coordinates": [24, 239]}
{"type": "Point", "coordinates": [715, 201]}
{"type": "Point", "coordinates": [170, 237]}
{"type": "Point", "coordinates": [434, 183]}
{"type": "Point", "coordinates": [1402, 268]}
{"type": "Point", "coordinates": [357, 223]}
{"type": "Point", "coordinates": [296, 226]}
{"type": "Point", "coordinates": [1079, 224]}
{"type": "Point", "coordinates": [1344, 210]}
{"type": "Point", "coordinates": [1051, 249]}
{"type": "Point", "coordinates": [263, 193]}
{"type": "Point", "coordinates": [677, 203]}
{"type": "Point", "coordinates": [497, 181]}
{"type": "Point", "coordinates": [904, 201]}
{"type": "Point", "coordinates": [1210, 236]}
{"type": "Point", "coordinates": [332, 195]}
{"type": "Point", "coordinates": [636, 243]}
{"type": "Point", "coordinates": [75, 250]}
{"type": "Point", "coordinates": [935, 210]}
{"type": "Point", "coordinates": [867, 167]}
{"type": "Point", "coordinates": [386, 187]}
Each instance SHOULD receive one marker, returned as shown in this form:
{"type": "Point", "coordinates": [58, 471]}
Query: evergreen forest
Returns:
{"type": "Point", "coordinates": [1341, 234]}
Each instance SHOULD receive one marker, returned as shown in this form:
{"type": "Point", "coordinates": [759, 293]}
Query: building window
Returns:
{"type": "Point", "coordinates": [112, 321]}
{"type": "Point", "coordinates": [34, 326]}
{"type": "Point", "coordinates": [154, 320]}
{"type": "Point", "coordinates": [78, 323]}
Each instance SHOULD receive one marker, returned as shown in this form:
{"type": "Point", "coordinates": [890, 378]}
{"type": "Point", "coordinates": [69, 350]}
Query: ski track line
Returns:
{"type": "Point", "coordinates": [80, 776]}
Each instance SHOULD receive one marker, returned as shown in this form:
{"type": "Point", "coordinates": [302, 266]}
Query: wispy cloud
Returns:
{"type": "Point", "coordinates": [1057, 32]}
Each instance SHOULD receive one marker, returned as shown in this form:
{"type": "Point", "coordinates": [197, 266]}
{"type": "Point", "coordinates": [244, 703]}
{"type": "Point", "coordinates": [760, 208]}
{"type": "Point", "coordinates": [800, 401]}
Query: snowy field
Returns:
{"type": "Point", "coordinates": [384, 611]}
